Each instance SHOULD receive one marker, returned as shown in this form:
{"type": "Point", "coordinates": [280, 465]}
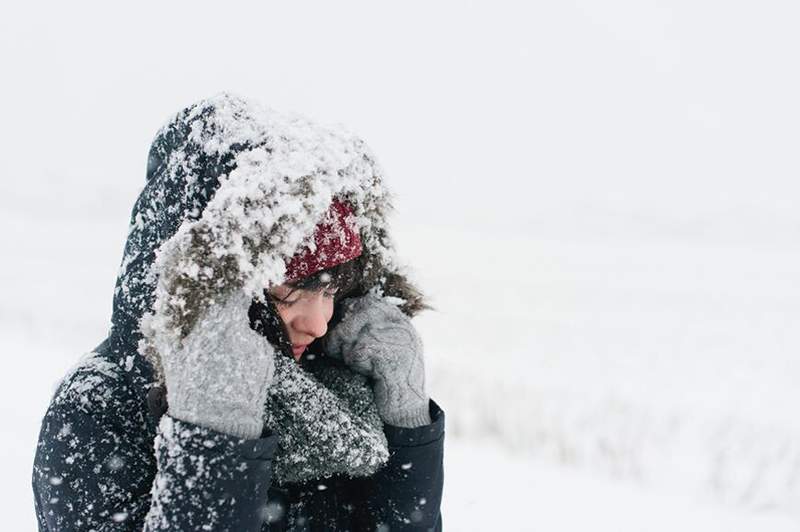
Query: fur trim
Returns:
{"type": "Point", "coordinates": [276, 177]}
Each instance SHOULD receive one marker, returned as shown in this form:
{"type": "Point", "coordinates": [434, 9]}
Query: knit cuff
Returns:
{"type": "Point", "coordinates": [410, 418]}
{"type": "Point", "coordinates": [239, 428]}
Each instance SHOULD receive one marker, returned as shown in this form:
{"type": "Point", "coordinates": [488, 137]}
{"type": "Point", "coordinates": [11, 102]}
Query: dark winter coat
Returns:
{"type": "Point", "coordinates": [104, 462]}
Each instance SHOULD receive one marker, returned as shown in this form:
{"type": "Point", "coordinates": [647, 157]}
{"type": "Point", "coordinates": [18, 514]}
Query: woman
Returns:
{"type": "Point", "coordinates": [261, 371]}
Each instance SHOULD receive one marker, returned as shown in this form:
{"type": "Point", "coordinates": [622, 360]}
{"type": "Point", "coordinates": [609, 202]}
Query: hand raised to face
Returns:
{"type": "Point", "coordinates": [376, 339]}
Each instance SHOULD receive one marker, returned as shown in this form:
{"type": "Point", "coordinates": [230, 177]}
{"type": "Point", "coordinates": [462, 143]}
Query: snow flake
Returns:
{"type": "Point", "coordinates": [272, 512]}
{"type": "Point", "coordinates": [115, 463]}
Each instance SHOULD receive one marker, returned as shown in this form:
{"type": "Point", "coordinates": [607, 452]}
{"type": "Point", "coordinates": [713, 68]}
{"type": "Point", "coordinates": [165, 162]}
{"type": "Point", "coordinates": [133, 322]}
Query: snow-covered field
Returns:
{"type": "Point", "coordinates": [668, 366]}
{"type": "Point", "coordinates": [488, 490]}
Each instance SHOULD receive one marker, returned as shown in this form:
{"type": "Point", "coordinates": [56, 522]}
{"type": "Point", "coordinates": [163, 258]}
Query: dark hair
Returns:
{"type": "Point", "coordinates": [346, 277]}
{"type": "Point", "coordinates": [265, 320]}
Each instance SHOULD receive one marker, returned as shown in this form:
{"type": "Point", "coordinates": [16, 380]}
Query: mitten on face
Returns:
{"type": "Point", "coordinates": [376, 339]}
{"type": "Point", "coordinates": [218, 377]}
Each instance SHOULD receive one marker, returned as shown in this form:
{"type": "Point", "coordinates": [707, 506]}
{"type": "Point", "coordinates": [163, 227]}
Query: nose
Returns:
{"type": "Point", "coordinates": [313, 321]}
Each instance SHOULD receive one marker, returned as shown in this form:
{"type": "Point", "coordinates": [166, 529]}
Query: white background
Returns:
{"type": "Point", "coordinates": [599, 198]}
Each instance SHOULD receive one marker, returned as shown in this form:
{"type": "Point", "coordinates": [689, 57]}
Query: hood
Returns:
{"type": "Point", "coordinates": [234, 190]}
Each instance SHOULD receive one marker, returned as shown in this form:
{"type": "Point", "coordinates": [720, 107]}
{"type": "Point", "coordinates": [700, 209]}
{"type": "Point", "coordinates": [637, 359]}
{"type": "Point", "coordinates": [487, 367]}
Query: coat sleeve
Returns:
{"type": "Point", "coordinates": [207, 480]}
{"type": "Point", "coordinates": [96, 469]}
{"type": "Point", "coordinates": [406, 494]}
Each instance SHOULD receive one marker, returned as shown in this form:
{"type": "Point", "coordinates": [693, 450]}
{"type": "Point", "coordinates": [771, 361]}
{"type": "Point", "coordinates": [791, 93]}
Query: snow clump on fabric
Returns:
{"type": "Point", "coordinates": [284, 173]}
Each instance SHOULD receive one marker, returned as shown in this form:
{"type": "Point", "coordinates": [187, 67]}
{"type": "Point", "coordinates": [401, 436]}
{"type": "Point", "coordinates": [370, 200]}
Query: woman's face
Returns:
{"type": "Point", "coordinates": [305, 313]}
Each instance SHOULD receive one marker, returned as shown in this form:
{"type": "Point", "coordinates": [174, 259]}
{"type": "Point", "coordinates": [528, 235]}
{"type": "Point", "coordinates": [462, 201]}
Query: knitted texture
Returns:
{"type": "Point", "coordinates": [376, 339]}
{"type": "Point", "coordinates": [218, 376]}
{"type": "Point", "coordinates": [336, 241]}
{"type": "Point", "coordinates": [325, 419]}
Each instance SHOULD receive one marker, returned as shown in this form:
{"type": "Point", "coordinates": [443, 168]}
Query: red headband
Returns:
{"type": "Point", "coordinates": [337, 241]}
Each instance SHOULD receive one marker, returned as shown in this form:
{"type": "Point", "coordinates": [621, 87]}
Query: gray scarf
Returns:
{"type": "Point", "coordinates": [326, 420]}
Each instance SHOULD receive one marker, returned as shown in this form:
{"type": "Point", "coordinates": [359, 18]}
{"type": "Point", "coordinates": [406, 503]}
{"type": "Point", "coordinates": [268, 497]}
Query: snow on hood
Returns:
{"type": "Point", "coordinates": [235, 189]}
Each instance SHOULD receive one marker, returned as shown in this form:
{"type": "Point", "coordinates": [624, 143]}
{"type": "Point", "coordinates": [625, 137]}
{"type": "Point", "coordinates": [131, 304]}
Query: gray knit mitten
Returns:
{"type": "Point", "coordinates": [219, 376]}
{"type": "Point", "coordinates": [376, 339]}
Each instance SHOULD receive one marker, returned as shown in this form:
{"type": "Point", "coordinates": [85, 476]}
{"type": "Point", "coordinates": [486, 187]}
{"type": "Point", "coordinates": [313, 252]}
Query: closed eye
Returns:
{"type": "Point", "coordinates": [285, 302]}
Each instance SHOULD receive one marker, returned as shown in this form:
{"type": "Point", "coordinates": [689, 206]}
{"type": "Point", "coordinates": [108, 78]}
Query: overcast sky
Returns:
{"type": "Point", "coordinates": [539, 117]}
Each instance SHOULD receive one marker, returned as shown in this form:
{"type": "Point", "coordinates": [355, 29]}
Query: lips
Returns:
{"type": "Point", "coordinates": [298, 349]}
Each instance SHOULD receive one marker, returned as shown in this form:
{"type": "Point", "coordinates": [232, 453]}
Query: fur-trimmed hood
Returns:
{"type": "Point", "coordinates": [233, 190]}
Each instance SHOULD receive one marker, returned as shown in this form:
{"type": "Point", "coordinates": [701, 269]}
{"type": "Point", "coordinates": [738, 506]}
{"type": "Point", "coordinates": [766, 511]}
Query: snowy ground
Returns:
{"type": "Point", "coordinates": [489, 490]}
{"type": "Point", "coordinates": [665, 366]}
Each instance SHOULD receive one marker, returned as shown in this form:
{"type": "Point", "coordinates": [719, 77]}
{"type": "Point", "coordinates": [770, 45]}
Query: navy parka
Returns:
{"type": "Point", "coordinates": [105, 462]}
